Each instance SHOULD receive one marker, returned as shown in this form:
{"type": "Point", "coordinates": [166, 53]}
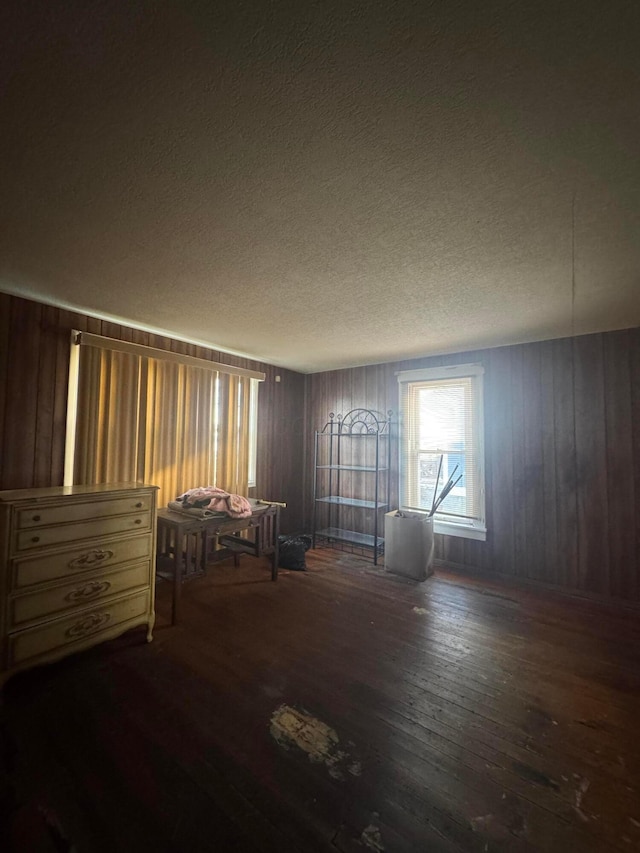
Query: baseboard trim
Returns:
{"type": "Point", "coordinates": [474, 572]}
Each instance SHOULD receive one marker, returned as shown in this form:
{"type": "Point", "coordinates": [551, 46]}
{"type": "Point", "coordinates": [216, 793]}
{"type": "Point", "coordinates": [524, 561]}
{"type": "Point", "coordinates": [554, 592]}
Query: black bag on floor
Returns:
{"type": "Point", "coordinates": [292, 550]}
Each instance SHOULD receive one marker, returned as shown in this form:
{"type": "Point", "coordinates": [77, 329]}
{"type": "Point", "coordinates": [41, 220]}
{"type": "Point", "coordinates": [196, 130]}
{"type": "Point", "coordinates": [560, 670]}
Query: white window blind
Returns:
{"type": "Point", "coordinates": [442, 417]}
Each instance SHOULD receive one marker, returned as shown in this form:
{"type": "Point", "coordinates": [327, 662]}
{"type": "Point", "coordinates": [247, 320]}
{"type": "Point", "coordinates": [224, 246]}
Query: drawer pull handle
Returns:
{"type": "Point", "coordinates": [139, 505]}
{"type": "Point", "coordinates": [35, 538]}
{"type": "Point", "coordinates": [98, 555]}
{"type": "Point", "coordinates": [89, 590]}
{"type": "Point", "coordinates": [36, 518]}
{"type": "Point", "coordinates": [88, 625]}
{"type": "Point", "coordinates": [138, 521]}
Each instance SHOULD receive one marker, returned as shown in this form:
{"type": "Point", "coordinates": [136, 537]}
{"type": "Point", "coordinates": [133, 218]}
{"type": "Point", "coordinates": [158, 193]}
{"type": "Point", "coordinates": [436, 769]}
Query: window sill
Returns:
{"type": "Point", "coordinates": [464, 531]}
{"type": "Point", "coordinates": [472, 530]}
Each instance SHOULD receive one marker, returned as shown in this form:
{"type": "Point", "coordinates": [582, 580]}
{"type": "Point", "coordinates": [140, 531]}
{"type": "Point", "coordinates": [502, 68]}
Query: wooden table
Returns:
{"type": "Point", "coordinates": [186, 541]}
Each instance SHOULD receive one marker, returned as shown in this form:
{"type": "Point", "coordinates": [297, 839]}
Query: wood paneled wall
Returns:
{"type": "Point", "coordinates": [34, 364]}
{"type": "Point", "coordinates": [562, 434]}
{"type": "Point", "coordinates": [562, 440]}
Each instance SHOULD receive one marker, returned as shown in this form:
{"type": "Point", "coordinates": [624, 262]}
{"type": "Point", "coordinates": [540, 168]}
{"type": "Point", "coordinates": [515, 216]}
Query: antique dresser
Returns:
{"type": "Point", "coordinates": [77, 568]}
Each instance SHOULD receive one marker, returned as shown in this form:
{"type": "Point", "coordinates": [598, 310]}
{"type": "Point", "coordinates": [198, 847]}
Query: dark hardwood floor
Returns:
{"type": "Point", "coordinates": [340, 709]}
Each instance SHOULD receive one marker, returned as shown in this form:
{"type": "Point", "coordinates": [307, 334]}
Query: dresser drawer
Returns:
{"type": "Point", "coordinates": [84, 626]}
{"type": "Point", "coordinates": [43, 516]}
{"type": "Point", "coordinates": [53, 602]}
{"type": "Point", "coordinates": [43, 536]}
{"type": "Point", "coordinates": [108, 554]}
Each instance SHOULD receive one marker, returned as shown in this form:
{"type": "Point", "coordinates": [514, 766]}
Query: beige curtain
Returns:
{"type": "Point", "coordinates": [107, 417]}
{"type": "Point", "coordinates": [172, 425]}
{"type": "Point", "coordinates": [233, 435]}
{"type": "Point", "coordinates": [179, 435]}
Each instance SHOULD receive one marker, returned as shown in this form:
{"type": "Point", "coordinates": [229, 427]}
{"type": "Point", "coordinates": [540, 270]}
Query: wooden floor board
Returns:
{"type": "Point", "coordinates": [341, 709]}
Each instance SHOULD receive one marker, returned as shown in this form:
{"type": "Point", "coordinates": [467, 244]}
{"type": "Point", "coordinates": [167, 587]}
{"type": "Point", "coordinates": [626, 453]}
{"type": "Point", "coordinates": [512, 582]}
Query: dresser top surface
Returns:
{"type": "Point", "coordinates": [12, 495]}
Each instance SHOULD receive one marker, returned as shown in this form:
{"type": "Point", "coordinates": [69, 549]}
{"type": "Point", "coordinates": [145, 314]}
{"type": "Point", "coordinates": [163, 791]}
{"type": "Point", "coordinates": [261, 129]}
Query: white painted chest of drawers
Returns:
{"type": "Point", "coordinates": [77, 567]}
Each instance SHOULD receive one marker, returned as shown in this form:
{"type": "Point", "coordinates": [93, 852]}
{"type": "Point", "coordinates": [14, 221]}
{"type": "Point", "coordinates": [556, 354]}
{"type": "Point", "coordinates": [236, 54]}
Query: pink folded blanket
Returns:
{"type": "Point", "coordinates": [216, 500]}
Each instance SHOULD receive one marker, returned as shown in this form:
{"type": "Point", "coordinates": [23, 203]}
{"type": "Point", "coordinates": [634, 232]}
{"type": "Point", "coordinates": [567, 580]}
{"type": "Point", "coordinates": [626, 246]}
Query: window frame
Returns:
{"type": "Point", "coordinates": [443, 523]}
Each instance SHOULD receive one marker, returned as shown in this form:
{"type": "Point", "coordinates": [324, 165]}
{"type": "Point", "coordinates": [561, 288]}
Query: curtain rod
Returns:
{"type": "Point", "coordinates": [87, 339]}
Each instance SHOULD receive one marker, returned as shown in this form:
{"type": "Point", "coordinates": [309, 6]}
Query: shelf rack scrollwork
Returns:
{"type": "Point", "coordinates": [358, 421]}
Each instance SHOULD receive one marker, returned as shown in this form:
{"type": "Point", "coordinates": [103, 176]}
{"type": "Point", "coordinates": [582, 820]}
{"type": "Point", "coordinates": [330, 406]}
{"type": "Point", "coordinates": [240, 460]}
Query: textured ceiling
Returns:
{"type": "Point", "coordinates": [324, 184]}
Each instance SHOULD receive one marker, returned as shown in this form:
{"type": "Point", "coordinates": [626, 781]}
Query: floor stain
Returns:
{"type": "Point", "coordinates": [293, 727]}
{"type": "Point", "coordinates": [372, 838]}
{"type": "Point", "coordinates": [582, 789]}
{"type": "Point", "coordinates": [502, 826]}
{"type": "Point", "coordinates": [532, 775]}
{"type": "Point", "coordinates": [592, 724]}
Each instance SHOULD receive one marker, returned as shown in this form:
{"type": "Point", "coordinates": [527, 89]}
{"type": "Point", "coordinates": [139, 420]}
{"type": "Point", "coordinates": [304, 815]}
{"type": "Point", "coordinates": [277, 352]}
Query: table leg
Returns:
{"type": "Point", "coordinates": [203, 550]}
{"type": "Point", "coordinates": [276, 546]}
{"type": "Point", "coordinates": [177, 581]}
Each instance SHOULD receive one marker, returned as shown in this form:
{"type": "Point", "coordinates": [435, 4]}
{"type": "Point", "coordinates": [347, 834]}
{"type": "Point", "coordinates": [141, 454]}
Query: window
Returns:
{"type": "Point", "coordinates": [136, 413]}
{"type": "Point", "coordinates": [442, 416]}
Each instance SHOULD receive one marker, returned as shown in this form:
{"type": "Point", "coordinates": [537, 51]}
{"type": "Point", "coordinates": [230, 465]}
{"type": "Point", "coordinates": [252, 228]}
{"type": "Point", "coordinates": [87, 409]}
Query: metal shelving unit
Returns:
{"type": "Point", "coordinates": [352, 459]}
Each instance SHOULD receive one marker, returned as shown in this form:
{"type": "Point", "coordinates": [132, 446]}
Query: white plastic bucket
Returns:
{"type": "Point", "coordinates": [408, 544]}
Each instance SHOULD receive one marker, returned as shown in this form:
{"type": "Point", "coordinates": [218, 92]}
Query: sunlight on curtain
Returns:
{"type": "Point", "coordinates": [160, 436]}
{"type": "Point", "coordinates": [107, 418]}
{"type": "Point", "coordinates": [233, 435]}
{"type": "Point", "coordinates": [179, 438]}
{"type": "Point", "coordinates": [172, 425]}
